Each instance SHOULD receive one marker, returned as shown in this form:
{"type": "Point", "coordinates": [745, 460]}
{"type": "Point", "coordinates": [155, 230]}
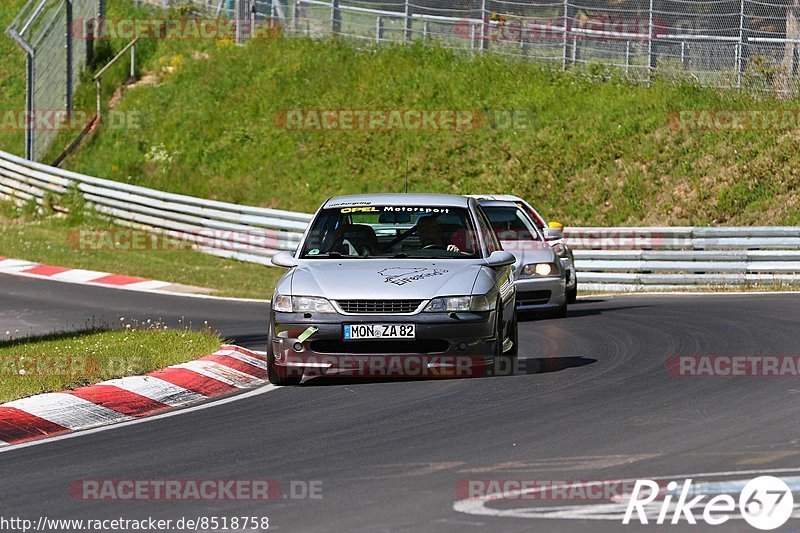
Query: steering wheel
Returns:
{"type": "Point", "coordinates": [434, 247]}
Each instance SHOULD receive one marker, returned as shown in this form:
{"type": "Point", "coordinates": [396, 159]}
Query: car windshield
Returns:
{"type": "Point", "coordinates": [511, 224]}
{"type": "Point", "coordinates": [397, 231]}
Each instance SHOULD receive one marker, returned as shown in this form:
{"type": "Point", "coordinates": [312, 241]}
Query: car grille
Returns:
{"type": "Point", "coordinates": [379, 306]}
{"type": "Point", "coordinates": [533, 297]}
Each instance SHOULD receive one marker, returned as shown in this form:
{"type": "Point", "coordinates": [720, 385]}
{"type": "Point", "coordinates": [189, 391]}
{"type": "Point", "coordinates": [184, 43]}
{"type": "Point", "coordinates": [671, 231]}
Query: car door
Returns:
{"type": "Point", "coordinates": [504, 280]}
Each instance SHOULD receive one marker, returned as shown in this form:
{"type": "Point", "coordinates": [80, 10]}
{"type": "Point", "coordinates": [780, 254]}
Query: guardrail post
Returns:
{"type": "Point", "coordinates": [426, 29]}
{"type": "Point", "coordinates": [294, 12]}
{"type": "Point", "coordinates": [379, 29]}
{"type": "Point", "coordinates": [683, 53]}
{"type": "Point", "coordinates": [336, 18]}
{"type": "Point", "coordinates": [407, 35]}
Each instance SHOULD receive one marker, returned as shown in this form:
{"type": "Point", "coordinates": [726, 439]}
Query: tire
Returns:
{"type": "Point", "coordinates": [278, 375]}
{"type": "Point", "coordinates": [572, 294]}
{"type": "Point", "coordinates": [502, 361]}
{"type": "Point", "coordinates": [514, 336]}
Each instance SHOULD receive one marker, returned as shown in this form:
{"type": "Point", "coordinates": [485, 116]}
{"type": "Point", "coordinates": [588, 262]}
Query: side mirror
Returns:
{"type": "Point", "coordinates": [500, 258]}
{"type": "Point", "coordinates": [284, 259]}
{"type": "Point", "coordinates": [554, 231]}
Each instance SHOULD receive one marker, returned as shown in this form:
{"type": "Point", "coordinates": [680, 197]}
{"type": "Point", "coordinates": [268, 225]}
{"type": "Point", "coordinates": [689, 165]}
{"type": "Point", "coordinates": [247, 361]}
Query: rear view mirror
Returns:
{"type": "Point", "coordinates": [554, 231]}
{"type": "Point", "coordinates": [500, 258]}
{"type": "Point", "coordinates": [284, 259]}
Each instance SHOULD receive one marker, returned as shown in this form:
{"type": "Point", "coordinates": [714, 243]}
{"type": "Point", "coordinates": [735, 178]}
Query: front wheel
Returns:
{"type": "Point", "coordinates": [572, 293]}
{"type": "Point", "coordinates": [279, 375]}
{"type": "Point", "coordinates": [503, 360]}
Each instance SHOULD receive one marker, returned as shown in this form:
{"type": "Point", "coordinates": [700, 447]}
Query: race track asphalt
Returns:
{"type": "Point", "coordinates": [593, 402]}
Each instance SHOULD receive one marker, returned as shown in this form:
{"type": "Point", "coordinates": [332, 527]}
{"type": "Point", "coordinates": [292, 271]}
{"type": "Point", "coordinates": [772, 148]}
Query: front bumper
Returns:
{"type": "Point", "coordinates": [540, 293]}
{"type": "Point", "coordinates": [444, 342]}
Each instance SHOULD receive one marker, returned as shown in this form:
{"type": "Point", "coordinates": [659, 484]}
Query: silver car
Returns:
{"type": "Point", "coordinates": [399, 276]}
{"type": "Point", "coordinates": [539, 275]}
{"type": "Point", "coordinates": [553, 233]}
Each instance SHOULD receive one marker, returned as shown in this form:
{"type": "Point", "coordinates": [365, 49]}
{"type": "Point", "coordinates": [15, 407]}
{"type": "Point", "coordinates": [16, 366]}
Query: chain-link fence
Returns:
{"type": "Point", "coordinates": [57, 50]}
{"type": "Point", "coordinates": [752, 44]}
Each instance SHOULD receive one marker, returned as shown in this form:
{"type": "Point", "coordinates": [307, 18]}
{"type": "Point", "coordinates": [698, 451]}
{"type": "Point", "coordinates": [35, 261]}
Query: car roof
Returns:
{"type": "Point", "coordinates": [445, 200]}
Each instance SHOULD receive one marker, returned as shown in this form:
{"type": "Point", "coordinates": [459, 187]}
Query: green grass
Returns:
{"type": "Point", "coordinates": [53, 240]}
{"type": "Point", "coordinates": [68, 360]}
{"type": "Point", "coordinates": [12, 77]}
{"type": "Point", "coordinates": [594, 152]}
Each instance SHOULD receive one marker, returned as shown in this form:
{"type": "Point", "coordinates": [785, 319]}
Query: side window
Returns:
{"type": "Point", "coordinates": [489, 236]}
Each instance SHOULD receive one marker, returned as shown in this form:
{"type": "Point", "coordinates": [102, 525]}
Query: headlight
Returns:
{"type": "Point", "coordinates": [309, 304]}
{"type": "Point", "coordinates": [282, 303]}
{"type": "Point", "coordinates": [540, 270]}
{"type": "Point", "coordinates": [301, 304]}
{"type": "Point", "coordinates": [455, 304]}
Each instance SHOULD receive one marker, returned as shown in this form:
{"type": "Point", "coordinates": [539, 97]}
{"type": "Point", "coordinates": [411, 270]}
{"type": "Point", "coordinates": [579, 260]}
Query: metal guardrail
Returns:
{"type": "Point", "coordinates": [246, 233]}
{"type": "Point", "coordinates": [686, 257]}
{"type": "Point", "coordinates": [606, 258]}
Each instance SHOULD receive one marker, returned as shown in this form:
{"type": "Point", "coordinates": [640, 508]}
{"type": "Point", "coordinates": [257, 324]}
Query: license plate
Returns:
{"type": "Point", "coordinates": [379, 331]}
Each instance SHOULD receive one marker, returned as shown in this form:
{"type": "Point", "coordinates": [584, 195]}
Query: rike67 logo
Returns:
{"type": "Point", "coordinates": [765, 503]}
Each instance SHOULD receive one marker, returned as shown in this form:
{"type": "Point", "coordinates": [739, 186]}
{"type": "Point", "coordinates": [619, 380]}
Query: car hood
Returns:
{"type": "Point", "coordinates": [371, 279]}
{"type": "Point", "coordinates": [528, 252]}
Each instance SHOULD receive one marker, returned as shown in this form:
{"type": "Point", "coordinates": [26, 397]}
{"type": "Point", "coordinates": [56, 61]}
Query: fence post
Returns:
{"type": "Point", "coordinates": [740, 47]}
{"type": "Point", "coordinates": [651, 63]}
{"type": "Point", "coordinates": [30, 106]}
{"type": "Point", "coordinates": [566, 34]}
{"type": "Point", "coordinates": [336, 18]}
{"type": "Point", "coordinates": [627, 56]}
{"type": "Point", "coordinates": [379, 29]}
{"type": "Point", "coordinates": [69, 52]}
{"type": "Point", "coordinates": [407, 36]}
{"type": "Point", "coordinates": [484, 27]}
